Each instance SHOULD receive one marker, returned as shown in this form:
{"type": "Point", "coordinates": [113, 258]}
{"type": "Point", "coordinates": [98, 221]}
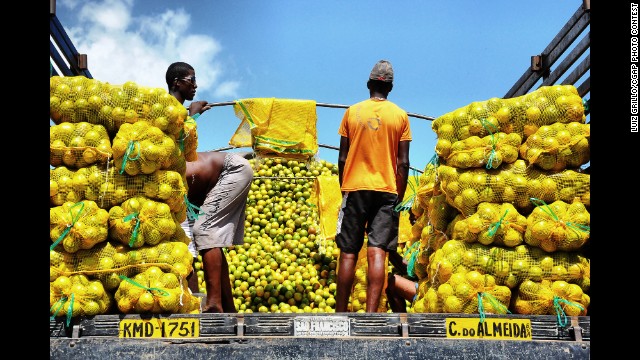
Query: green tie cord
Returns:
{"type": "Point", "coordinates": [560, 314]}
{"type": "Point", "coordinates": [127, 153]}
{"type": "Point", "coordinates": [69, 226]}
{"type": "Point", "coordinates": [193, 211]}
{"type": "Point", "coordinates": [134, 233]}
{"type": "Point", "coordinates": [69, 310]}
{"type": "Point", "coordinates": [160, 291]}
{"type": "Point", "coordinates": [497, 305]}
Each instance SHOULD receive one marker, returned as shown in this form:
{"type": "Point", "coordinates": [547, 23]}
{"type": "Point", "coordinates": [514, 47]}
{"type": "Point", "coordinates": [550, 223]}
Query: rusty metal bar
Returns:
{"type": "Point", "coordinates": [418, 116]}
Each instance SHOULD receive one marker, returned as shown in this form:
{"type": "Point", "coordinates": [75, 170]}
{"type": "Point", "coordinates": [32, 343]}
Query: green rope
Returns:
{"type": "Point", "coordinates": [127, 154]}
{"type": "Point", "coordinates": [69, 310]}
{"type": "Point", "coordinates": [497, 305]}
{"type": "Point", "coordinates": [60, 301]}
{"type": "Point", "coordinates": [573, 226]}
{"type": "Point", "coordinates": [160, 291]}
{"type": "Point", "coordinates": [544, 207]}
{"type": "Point", "coordinates": [409, 251]}
{"type": "Point", "coordinates": [193, 211]}
{"type": "Point", "coordinates": [433, 161]}
{"type": "Point", "coordinates": [412, 259]}
{"type": "Point", "coordinates": [134, 233]}
{"type": "Point", "coordinates": [494, 227]}
{"type": "Point", "coordinates": [494, 142]}
{"type": "Point", "coordinates": [560, 314]}
{"type": "Point", "coordinates": [69, 226]}
{"type": "Point", "coordinates": [578, 227]}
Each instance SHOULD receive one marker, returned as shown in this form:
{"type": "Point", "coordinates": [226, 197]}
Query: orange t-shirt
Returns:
{"type": "Point", "coordinates": [374, 128]}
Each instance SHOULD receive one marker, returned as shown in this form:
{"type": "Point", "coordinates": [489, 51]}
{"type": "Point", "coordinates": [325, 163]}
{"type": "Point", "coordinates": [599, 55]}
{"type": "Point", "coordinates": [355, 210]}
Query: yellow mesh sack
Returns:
{"type": "Point", "coordinates": [405, 209]}
{"type": "Point", "coordinates": [277, 127]}
{"type": "Point", "coordinates": [140, 221]}
{"type": "Point", "coordinates": [558, 146]}
{"type": "Point", "coordinates": [513, 183]}
{"type": "Point", "coordinates": [468, 292]}
{"type": "Point", "coordinates": [76, 295]}
{"type": "Point", "coordinates": [78, 225]}
{"type": "Point", "coordinates": [429, 242]}
{"type": "Point", "coordinates": [327, 197]}
{"type": "Point", "coordinates": [78, 145]}
{"type": "Point", "coordinates": [189, 140]}
{"type": "Point", "coordinates": [155, 291]}
{"type": "Point", "coordinates": [492, 224]}
{"type": "Point", "coordinates": [80, 99]}
{"type": "Point", "coordinates": [558, 226]}
{"type": "Point", "coordinates": [109, 260]}
{"type": "Point", "coordinates": [141, 148]}
{"type": "Point", "coordinates": [508, 266]}
{"type": "Point", "coordinates": [63, 188]}
{"type": "Point", "coordinates": [489, 152]}
{"type": "Point", "coordinates": [440, 212]}
{"type": "Point", "coordinates": [428, 182]}
{"type": "Point", "coordinates": [550, 298]}
{"type": "Point", "coordinates": [522, 115]}
{"type": "Point", "coordinates": [107, 187]}
{"type": "Point", "coordinates": [421, 222]}
{"type": "Point", "coordinates": [404, 228]}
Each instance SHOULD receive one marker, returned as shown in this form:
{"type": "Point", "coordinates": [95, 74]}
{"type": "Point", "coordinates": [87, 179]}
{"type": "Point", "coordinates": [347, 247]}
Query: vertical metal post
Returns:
{"type": "Point", "coordinates": [52, 7]}
{"type": "Point", "coordinates": [82, 61]}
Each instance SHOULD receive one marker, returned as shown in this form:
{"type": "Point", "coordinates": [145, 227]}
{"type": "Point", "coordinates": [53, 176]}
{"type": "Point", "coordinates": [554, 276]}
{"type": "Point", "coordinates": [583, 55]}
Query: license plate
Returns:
{"type": "Point", "coordinates": [321, 326]}
{"type": "Point", "coordinates": [159, 328]}
{"type": "Point", "coordinates": [489, 329]}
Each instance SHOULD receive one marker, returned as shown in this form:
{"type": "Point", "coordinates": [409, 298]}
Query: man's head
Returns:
{"type": "Point", "coordinates": [181, 78]}
{"type": "Point", "coordinates": [381, 77]}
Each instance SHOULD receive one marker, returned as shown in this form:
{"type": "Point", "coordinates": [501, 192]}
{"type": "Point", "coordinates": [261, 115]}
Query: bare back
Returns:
{"type": "Point", "coordinates": [202, 175]}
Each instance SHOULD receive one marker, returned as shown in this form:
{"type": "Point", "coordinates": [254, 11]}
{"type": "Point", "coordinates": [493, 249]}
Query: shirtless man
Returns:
{"type": "Point", "coordinates": [218, 184]}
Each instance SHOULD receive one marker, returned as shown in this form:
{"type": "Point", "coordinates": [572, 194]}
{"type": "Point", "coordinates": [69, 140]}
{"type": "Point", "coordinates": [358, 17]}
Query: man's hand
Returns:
{"type": "Point", "coordinates": [198, 107]}
{"type": "Point", "coordinates": [412, 218]}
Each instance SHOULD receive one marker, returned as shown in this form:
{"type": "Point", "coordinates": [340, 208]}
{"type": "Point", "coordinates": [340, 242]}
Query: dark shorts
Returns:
{"type": "Point", "coordinates": [370, 211]}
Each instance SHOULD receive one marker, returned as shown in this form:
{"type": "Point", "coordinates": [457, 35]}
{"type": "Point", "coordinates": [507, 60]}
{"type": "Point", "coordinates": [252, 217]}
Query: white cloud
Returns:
{"type": "Point", "coordinates": [227, 90]}
{"type": "Point", "coordinates": [121, 46]}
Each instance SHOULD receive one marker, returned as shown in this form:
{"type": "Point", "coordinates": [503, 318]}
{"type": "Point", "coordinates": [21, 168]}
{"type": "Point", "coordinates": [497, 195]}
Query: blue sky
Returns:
{"type": "Point", "coordinates": [445, 54]}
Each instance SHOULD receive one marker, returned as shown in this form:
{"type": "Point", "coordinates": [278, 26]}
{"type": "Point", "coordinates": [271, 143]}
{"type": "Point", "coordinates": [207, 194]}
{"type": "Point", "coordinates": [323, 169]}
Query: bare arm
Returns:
{"type": "Point", "coordinates": [342, 157]}
{"type": "Point", "coordinates": [402, 169]}
{"type": "Point", "coordinates": [198, 107]}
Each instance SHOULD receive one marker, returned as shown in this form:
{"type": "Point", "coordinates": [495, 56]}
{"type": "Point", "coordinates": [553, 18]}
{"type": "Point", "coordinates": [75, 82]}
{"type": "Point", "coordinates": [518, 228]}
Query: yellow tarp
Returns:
{"type": "Point", "coordinates": [326, 195]}
{"type": "Point", "coordinates": [277, 127]}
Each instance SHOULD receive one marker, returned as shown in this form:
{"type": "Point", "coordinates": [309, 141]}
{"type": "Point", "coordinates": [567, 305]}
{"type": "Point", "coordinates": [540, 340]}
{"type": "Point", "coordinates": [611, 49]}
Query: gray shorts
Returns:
{"type": "Point", "coordinates": [186, 226]}
{"type": "Point", "coordinates": [222, 224]}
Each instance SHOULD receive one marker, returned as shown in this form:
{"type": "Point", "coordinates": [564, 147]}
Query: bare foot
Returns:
{"type": "Point", "coordinates": [210, 310]}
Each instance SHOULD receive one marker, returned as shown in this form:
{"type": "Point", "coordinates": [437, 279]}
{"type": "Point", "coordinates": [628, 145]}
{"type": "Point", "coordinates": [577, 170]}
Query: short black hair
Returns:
{"type": "Point", "coordinates": [379, 86]}
{"type": "Point", "coordinates": [177, 70]}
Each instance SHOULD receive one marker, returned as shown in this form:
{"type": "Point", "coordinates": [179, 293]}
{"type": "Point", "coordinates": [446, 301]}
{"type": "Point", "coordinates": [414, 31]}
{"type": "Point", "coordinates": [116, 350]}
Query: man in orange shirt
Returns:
{"type": "Point", "coordinates": [373, 168]}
